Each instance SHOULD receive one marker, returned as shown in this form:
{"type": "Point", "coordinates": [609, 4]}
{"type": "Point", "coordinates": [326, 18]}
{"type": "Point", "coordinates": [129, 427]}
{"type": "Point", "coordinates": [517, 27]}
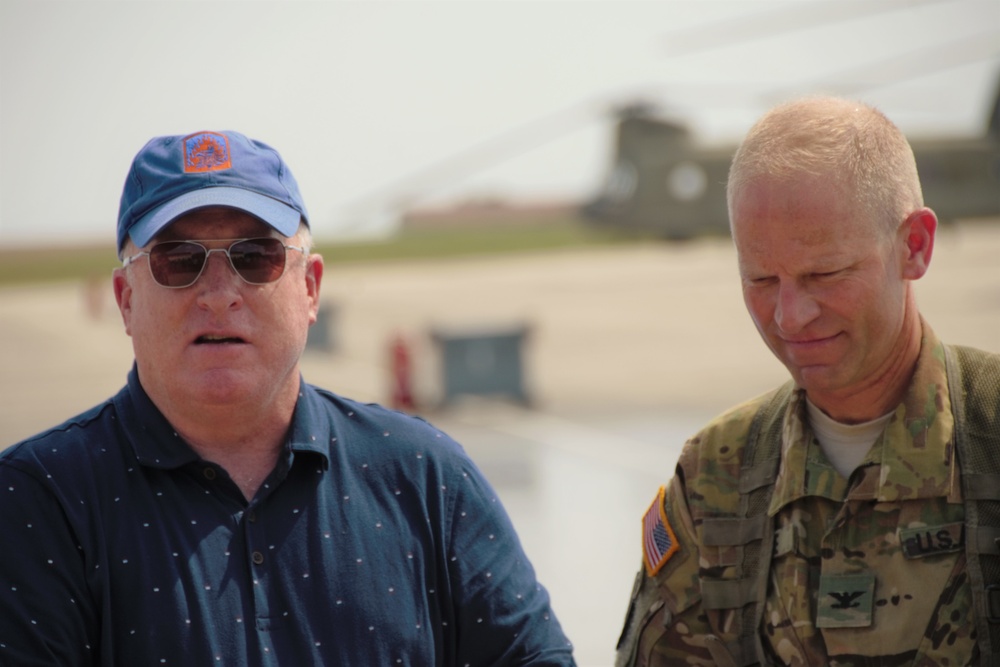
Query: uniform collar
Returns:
{"type": "Point", "coordinates": [913, 458]}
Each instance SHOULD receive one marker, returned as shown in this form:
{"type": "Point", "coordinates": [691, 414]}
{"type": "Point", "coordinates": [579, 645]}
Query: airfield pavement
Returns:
{"type": "Point", "coordinates": [629, 349]}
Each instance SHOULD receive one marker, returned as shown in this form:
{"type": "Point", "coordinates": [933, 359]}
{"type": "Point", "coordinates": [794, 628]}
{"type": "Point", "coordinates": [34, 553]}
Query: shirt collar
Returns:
{"type": "Point", "coordinates": [312, 428]}
{"type": "Point", "coordinates": [156, 444]}
{"type": "Point", "coordinates": [913, 458]}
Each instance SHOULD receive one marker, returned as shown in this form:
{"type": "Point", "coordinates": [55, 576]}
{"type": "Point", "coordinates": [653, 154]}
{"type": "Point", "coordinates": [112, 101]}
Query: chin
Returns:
{"type": "Point", "coordinates": [810, 377]}
{"type": "Point", "coordinates": [821, 383]}
{"type": "Point", "coordinates": [223, 386]}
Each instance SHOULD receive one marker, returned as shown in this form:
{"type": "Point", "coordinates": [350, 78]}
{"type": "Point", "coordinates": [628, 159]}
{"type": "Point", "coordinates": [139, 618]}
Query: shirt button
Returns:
{"type": "Point", "coordinates": [209, 473]}
{"type": "Point", "coordinates": [257, 557]}
{"type": "Point", "coordinates": [252, 516]}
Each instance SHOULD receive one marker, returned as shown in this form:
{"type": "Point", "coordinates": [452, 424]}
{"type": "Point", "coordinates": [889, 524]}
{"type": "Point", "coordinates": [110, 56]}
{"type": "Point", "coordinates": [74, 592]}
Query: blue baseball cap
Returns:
{"type": "Point", "coordinates": [173, 175]}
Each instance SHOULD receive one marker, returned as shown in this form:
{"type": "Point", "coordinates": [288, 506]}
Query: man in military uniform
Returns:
{"type": "Point", "coordinates": [848, 518]}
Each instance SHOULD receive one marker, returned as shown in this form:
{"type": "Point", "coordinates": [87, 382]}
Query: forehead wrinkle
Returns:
{"type": "Point", "coordinates": [805, 223]}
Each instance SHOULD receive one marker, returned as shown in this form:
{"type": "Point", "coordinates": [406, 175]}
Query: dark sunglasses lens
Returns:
{"type": "Point", "coordinates": [258, 260]}
{"type": "Point", "coordinates": [176, 263]}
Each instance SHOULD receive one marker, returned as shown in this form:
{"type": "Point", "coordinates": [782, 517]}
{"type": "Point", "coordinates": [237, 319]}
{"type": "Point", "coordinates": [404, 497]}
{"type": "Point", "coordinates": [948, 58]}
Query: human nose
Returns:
{"type": "Point", "coordinates": [795, 308]}
{"type": "Point", "coordinates": [219, 285]}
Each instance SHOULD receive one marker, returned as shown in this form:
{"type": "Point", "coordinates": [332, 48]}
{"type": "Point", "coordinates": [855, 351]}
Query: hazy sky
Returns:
{"type": "Point", "coordinates": [377, 102]}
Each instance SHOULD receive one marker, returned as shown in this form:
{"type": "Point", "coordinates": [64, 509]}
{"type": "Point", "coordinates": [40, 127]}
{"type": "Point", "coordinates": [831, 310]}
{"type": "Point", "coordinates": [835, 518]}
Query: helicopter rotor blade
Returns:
{"type": "Point", "coordinates": [926, 61]}
{"type": "Point", "coordinates": [791, 18]}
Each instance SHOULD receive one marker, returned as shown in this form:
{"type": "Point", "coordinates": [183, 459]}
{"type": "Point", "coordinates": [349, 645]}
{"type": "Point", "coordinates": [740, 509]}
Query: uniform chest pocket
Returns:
{"type": "Point", "coordinates": [724, 540]}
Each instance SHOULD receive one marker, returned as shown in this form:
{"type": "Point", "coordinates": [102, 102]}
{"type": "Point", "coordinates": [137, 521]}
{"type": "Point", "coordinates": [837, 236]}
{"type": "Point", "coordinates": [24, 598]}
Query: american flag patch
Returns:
{"type": "Point", "coordinates": [658, 540]}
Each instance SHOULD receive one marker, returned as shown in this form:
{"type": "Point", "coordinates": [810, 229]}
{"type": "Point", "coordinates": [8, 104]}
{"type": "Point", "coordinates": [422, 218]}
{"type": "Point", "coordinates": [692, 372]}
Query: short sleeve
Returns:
{"type": "Point", "coordinates": [504, 613]}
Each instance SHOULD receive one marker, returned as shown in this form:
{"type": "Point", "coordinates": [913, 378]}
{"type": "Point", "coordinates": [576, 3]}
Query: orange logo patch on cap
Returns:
{"type": "Point", "coordinates": [206, 151]}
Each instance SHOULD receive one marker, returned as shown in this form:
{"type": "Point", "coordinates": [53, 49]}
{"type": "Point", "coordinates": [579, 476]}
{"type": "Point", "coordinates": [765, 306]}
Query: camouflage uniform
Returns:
{"type": "Point", "coordinates": [865, 567]}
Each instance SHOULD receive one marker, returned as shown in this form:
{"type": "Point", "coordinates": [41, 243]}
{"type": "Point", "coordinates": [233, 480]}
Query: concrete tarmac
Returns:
{"type": "Point", "coordinates": [630, 349]}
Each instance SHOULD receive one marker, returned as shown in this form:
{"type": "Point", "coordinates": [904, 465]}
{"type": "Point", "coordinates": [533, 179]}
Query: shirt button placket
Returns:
{"type": "Point", "coordinates": [254, 539]}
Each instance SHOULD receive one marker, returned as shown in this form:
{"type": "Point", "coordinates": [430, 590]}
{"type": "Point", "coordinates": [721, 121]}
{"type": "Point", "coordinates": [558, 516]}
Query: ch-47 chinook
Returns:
{"type": "Point", "coordinates": [664, 183]}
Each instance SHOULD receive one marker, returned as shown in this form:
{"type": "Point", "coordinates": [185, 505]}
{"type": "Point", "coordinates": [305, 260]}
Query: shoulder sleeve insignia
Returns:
{"type": "Point", "coordinates": [658, 540]}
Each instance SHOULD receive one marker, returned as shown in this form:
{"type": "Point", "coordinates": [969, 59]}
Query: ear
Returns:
{"type": "Point", "coordinates": [917, 232]}
{"type": "Point", "coordinates": [314, 278]}
{"type": "Point", "coordinates": [123, 296]}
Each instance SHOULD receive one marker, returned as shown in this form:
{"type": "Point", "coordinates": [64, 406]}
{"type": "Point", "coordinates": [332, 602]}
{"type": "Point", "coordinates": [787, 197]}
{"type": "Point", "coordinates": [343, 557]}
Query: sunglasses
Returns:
{"type": "Point", "coordinates": [180, 263]}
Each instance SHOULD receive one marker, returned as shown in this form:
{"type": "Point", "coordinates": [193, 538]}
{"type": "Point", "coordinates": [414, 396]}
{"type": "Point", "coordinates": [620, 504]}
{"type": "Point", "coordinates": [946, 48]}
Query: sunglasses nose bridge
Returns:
{"type": "Point", "coordinates": [208, 258]}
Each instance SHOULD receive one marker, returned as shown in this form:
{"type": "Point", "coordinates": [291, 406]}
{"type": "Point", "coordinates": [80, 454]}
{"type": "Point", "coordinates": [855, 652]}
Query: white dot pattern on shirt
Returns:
{"type": "Point", "coordinates": [378, 525]}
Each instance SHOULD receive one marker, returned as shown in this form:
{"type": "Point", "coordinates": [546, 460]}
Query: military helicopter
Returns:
{"type": "Point", "coordinates": [663, 182]}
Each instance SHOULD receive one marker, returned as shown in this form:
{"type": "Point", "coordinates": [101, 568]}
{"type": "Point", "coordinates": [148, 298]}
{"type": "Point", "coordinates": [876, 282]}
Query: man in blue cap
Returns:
{"type": "Point", "coordinates": [218, 509]}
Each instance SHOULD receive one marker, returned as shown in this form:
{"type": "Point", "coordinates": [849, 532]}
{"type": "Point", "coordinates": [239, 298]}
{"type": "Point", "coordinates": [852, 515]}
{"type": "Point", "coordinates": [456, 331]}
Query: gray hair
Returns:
{"type": "Point", "coordinates": [849, 141]}
{"type": "Point", "coordinates": [305, 236]}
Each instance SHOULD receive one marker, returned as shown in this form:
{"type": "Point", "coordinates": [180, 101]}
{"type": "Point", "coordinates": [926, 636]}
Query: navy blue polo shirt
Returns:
{"type": "Point", "coordinates": [375, 541]}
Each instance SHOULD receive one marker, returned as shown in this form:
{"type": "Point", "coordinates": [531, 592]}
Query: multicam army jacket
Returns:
{"type": "Point", "coordinates": [870, 567]}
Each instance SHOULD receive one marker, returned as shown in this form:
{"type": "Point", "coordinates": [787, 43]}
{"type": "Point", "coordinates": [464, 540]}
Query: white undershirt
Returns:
{"type": "Point", "coordinates": [845, 445]}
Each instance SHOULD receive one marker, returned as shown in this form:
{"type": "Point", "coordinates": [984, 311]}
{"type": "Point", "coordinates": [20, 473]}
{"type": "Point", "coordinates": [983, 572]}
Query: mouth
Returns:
{"type": "Point", "coordinates": [210, 339]}
{"type": "Point", "coordinates": [809, 352]}
{"type": "Point", "coordinates": [806, 342]}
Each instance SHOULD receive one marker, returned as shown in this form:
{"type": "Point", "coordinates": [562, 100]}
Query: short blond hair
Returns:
{"type": "Point", "coordinates": [843, 139]}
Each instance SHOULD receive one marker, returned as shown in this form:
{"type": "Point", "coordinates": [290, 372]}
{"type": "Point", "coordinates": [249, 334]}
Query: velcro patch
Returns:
{"type": "Point", "coordinates": [658, 540]}
{"type": "Point", "coordinates": [845, 600]}
{"type": "Point", "coordinates": [932, 540]}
